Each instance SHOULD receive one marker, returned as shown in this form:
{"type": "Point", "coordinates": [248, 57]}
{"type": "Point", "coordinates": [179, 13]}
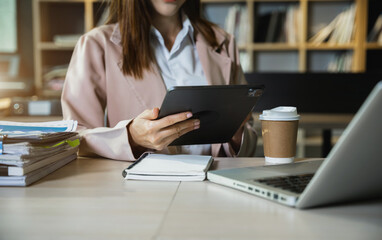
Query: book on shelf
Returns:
{"type": "Point", "coordinates": [341, 63]}
{"type": "Point", "coordinates": [30, 151]}
{"type": "Point", "coordinates": [281, 25]}
{"type": "Point", "coordinates": [245, 61]}
{"type": "Point", "coordinates": [162, 167]}
{"type": "Point", "coordinates": [375, 34]}
{"type": "Point", "coordinates": [236, 23]}
{"type": "Point", "coordinates": [343, 31]}
{"type": "Point", "coordinates": [54, 77]}
{"type": "Point", "coordinates": [293, 24]}
{"type": "Point", "coordinates": [272, 28]}
{"type": "Point", "coordinates": [262, 25]}
{"type": "Point", "coordinates": [339, 31]}
{"type": "Point", "coordinates": [323, 35]}
{"type": "Point", "coordinates": [380, 39]}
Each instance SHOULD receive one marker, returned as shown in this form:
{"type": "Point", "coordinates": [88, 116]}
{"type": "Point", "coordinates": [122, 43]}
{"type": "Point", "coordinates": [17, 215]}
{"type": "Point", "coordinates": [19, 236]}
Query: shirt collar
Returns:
{"type": "Point", "coordinates": [187, 25]}
{"type": "Point", "coordinates": [116, 35]}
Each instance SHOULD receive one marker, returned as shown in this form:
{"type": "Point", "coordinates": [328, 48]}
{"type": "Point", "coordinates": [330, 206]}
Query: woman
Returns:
{"type": "Point", "coordinates": [119, 74]}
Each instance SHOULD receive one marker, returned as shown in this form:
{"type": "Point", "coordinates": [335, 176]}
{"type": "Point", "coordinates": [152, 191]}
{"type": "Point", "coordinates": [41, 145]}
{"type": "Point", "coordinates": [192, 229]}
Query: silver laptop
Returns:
{"type": "Point", "coordinates": [352, 170]}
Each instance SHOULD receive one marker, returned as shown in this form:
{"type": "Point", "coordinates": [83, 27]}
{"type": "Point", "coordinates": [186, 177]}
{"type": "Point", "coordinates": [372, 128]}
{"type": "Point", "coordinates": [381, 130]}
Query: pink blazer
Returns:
{"type": "Point", "coordinates": [95, 82]}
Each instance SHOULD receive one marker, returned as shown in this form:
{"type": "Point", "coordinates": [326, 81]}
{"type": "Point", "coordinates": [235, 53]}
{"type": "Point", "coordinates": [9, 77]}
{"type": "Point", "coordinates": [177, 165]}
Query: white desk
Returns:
{"type": "Point", "coordinates": [89, 199]}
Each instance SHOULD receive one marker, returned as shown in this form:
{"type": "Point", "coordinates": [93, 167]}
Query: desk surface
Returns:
{"type": "Point", "coordinates": [88, 198]}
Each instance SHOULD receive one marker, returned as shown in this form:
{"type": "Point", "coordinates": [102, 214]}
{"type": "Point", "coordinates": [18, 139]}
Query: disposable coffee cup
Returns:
{"type": "Point", "coordinates": [279, 130]}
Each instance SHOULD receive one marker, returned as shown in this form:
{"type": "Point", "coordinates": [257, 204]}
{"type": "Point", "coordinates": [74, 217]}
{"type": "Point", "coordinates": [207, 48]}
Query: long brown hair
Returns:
{"type": "Point", "coordinates": [134, 18]}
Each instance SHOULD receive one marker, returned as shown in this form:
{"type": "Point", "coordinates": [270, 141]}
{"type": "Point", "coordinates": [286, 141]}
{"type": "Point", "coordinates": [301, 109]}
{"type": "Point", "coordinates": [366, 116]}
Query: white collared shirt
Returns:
{"type": "Point", "coordinates": [181, 67]}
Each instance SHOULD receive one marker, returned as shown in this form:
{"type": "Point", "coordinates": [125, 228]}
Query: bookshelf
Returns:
{"type": "Point", "coordinates": [373, 49]}
{"type": "Point", "coordinates": [62, 17]}
{"type": "Point", "coordinates": [304, 55]}
{"type": "Point", "coordinates": [52, 19]}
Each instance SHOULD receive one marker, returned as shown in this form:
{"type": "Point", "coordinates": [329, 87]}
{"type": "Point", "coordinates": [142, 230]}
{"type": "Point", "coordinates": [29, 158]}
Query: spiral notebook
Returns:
{"type": "Point", "coordinates": [162, 167]}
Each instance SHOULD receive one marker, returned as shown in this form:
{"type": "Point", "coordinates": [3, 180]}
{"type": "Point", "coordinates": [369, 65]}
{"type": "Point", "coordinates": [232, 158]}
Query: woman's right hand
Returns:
{"type": "Point", "coordinates": [146, 131]}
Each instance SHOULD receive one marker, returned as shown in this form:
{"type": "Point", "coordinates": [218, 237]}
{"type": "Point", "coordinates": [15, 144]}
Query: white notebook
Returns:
{"type": "Point", "coordinates": [162, 167]}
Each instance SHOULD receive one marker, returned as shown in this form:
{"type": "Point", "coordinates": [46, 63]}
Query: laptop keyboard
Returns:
{"type": "Point", "coordinates": [294, 183]}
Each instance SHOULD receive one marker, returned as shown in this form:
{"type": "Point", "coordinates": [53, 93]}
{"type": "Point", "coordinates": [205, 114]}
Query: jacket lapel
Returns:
{"type": "Point", "coordinates": [216, 64]}
{"type": "Point", "coordinates": [150, 90]}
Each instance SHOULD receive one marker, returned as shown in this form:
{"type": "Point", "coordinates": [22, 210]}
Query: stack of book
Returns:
{"type": "Point", "coordinates": [339, 31]}
{"type": "Point", "coordinates": [30, 151]}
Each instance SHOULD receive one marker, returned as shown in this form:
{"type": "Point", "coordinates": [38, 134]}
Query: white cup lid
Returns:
{"type": "Point", "coordinates": [282, 113]}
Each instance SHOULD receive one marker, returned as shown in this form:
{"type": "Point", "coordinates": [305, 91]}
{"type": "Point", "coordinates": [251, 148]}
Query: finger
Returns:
{"type": "Point", "coordinates": [149, 114]}
{"type": "Point", "coordinates": [178, 128]}
{"type": "Point", "coordinates": [184, 131]}
{"type": "Point", "coordinates": [167, 141]}
{"type": "Point", "coordinates": [173, 132]}
{"type": "Point", "coordinates": [172, 119]}
{"type": "Point", "coordinates": [189, 129]}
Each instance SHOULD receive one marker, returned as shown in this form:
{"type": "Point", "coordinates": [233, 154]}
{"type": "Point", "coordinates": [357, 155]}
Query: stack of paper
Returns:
{"type": "Point", "coordinates": [169, 167]}
{"type": "Point", "coordinates": [30, 151]}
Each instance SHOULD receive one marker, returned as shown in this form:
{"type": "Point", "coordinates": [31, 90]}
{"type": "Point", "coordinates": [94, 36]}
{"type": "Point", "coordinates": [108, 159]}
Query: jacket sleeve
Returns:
{"type": "Point", "coordinates": [249, 137]}
{"type": "Point", "coordinates": [84, 99]}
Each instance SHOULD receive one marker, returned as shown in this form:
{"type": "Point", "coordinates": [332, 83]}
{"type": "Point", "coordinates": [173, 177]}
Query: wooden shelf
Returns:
{"type": "Point", "coordinates": [54, 46]}
{"type": "Point", "coordinates": [329, 46]}
{"type": "Point", "coordinates": [272, 47]}
{"type": "Point", "coordinates": [51, 93]}
{"type": "Point", "coordinates": [59, 17]}
{"type": "Point", "coordinates": [357, 46]}
{"type": "Point", "coordinates": [329, 0]}
{"type": "Point", "coordinates": [374, 46]}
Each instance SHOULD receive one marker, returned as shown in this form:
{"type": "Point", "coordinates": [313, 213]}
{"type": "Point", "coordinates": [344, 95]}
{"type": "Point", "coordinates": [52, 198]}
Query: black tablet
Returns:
{"type": "Point", "coordinates": [220, 108]}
